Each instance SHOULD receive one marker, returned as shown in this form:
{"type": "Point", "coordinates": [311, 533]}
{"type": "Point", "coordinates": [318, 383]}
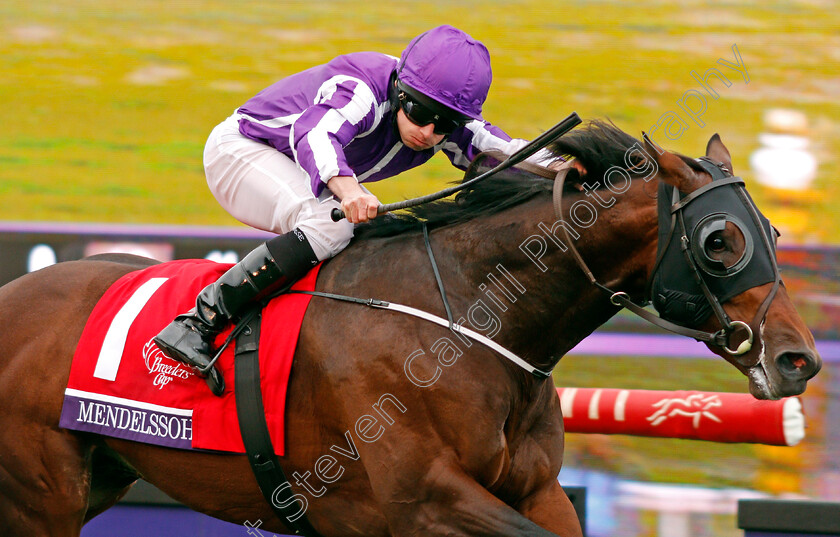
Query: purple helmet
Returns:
{"type": "Point", "coordinates": [450, 67]}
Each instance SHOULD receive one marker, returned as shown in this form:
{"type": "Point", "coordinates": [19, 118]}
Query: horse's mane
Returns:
{"type": "Point", "coordinates": [598, 145]}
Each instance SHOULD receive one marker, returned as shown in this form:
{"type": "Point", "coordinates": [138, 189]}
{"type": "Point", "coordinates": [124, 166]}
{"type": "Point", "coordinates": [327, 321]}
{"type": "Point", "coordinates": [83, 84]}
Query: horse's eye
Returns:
{"type": "Point", "coordinates": [715, 243]}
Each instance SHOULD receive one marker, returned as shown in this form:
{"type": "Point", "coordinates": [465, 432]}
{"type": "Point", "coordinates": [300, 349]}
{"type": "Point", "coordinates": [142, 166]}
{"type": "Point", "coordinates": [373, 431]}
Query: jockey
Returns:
{"type": "Point", "coordinates": [301, 147]}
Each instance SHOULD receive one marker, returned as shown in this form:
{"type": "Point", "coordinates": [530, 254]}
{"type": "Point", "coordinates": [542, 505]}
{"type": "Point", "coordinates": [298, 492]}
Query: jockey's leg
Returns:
{"type": "Point", "coordinates": [265, 189]}
{"type": "Point", "coordinates": [273, 266]}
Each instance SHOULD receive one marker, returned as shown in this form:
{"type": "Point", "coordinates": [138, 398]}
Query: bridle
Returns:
{"type": "Point", "coordinates": [680, 237]}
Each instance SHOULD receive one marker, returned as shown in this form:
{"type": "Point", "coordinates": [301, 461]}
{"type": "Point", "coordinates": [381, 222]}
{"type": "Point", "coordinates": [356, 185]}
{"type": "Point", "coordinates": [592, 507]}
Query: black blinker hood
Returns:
{"type": "Point", "coordinates": [685, 222]}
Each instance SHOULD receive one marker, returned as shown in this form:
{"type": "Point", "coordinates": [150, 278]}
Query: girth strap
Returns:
{"type": "Point", "coordinates": [252, 425]}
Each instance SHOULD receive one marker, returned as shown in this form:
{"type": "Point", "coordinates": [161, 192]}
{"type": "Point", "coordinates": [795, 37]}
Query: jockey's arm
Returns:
{"type": "Point", "coordinates": [358, 205]}
{"type": "Point", "coordinates": [478, 136]}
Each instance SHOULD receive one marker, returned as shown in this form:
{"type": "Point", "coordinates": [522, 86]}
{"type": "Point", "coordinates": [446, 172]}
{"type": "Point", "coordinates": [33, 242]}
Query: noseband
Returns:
{"type": "Point", "coordinates": [687, 285]}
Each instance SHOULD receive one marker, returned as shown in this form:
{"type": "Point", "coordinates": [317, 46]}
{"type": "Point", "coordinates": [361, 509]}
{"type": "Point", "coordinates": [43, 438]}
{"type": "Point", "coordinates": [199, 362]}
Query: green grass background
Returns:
{"type": "Point", "coordinates": [106, 106]}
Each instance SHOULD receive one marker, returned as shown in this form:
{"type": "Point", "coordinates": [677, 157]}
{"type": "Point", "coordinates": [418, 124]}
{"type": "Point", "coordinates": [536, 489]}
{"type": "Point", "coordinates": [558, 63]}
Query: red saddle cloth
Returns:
{"type": "Point", "coordinates": [122, 385]}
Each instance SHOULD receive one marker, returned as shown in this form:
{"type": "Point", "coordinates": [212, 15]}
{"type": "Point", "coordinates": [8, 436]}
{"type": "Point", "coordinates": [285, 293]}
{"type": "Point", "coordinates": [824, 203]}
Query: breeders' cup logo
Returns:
{"type": "Point", "coordinates": [162, 367]}
{"type": "Point", "coordinates": [695, 406]}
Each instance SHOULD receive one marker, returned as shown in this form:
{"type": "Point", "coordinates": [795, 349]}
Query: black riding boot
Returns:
{"type": "Point", "coordinates": [272, 267]}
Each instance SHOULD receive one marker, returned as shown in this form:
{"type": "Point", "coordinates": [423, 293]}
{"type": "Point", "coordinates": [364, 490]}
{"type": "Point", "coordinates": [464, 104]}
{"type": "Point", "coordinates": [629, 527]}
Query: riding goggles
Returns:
{"type": "Point", "coordinates": [422, 111]}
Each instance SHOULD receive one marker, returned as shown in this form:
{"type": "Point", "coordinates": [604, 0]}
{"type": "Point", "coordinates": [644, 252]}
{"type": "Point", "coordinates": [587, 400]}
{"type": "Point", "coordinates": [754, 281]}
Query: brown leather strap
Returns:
{"type": "Point", "coordinates": [557, 195]}
{"type": "Point", "coordinates": [621, 299]}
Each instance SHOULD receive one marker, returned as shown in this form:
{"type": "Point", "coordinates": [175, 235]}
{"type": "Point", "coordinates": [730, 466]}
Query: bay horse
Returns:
{"type": "Point", "coordinates": [473, 443]}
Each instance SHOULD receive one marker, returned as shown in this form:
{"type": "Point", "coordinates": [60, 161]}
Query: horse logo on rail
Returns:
{"type": "Point", "coordinates": [695, 406]}
{"type": "Point", "coordinates": [162, 367]}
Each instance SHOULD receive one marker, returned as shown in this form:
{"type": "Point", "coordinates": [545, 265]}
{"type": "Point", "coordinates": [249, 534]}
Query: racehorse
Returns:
{"type": "Point", "coordinates": [468, 442]}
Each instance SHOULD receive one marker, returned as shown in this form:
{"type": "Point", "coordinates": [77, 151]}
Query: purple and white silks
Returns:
{"type": "Point", "coordinates": [335, 119]}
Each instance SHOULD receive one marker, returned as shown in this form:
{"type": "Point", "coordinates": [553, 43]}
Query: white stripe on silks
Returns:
{"type": "Point", "coordinates": [458, 156]}
{"type": "Point", "coordinates": [363, 98]}
{"type": "Point", "coordinates": [382, 162]}
{"type": "Point", "coordinates": [128, 402]}
{"type": "Point", "coordinates": [274, 123]}
{"type": "Point", "coordinates": [360, 104]}
{"type": "Point", "coordinates": [378, 113]}
{"type": "Point", "coordinates": [330, 86]}
{"type": "Point", "coordinates": [110, 354]}
{"type": "Point", "coordinates": [484, 140]}
{"type": "Point", "coordinates": [487, 342]}
{"type": "Point", "coordinates": [320, 143]}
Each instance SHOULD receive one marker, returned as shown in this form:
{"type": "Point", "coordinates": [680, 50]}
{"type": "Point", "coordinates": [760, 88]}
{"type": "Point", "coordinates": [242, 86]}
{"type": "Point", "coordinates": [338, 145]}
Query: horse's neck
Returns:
{"type": "Point", "coordinates": [496, 288]}
{"type": "Point", "coordinates": [541, 308]}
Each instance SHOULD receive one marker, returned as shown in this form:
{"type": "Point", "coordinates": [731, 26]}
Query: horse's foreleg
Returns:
{"type": "Point", "coordinates": [458, 505]}
{"type": "Point", "coordinates": [44, 482]}
{"type": "Point", "coordinates": [551, 509]}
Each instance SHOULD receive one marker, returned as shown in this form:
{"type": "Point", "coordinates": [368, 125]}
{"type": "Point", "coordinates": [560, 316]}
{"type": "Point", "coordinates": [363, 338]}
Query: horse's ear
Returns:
{"type": "Point", "coordinates": [672, 169]}
{"type": "Point", "coordinates": [573, 176]}
{"type": "Point", "coordinates": [651, 148]}
{"type": "Point", "coordinates": [716, 151]}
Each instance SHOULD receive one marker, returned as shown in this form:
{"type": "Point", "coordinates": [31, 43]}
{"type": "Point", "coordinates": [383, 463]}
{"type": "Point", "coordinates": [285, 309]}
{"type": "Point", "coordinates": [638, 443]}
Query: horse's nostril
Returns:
{"type": "Point", "coordinates": [797, 364]}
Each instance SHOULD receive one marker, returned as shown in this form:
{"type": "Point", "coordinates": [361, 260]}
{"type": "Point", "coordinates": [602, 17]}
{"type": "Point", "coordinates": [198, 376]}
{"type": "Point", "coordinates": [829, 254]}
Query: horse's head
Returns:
{"type": "Point", "coordinates": [716, 271]}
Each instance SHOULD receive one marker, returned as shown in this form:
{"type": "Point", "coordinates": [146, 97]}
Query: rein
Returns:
{"type": "Point", "coordinates": [531, 148]}
{"type": "Point", "coordinates": [721, 338]}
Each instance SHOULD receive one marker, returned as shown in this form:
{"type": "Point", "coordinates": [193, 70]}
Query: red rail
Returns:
{"type": "Point", "coordinates": [712, 416]}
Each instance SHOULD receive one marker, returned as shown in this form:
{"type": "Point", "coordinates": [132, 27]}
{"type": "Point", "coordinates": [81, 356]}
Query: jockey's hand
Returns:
{"type": "Point", "coordinates": [358, 205]}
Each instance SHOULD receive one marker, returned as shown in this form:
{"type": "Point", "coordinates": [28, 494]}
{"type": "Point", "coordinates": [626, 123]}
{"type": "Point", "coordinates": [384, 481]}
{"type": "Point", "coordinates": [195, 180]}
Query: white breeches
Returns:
{"type": "Point", "coordinates": [265, 189]}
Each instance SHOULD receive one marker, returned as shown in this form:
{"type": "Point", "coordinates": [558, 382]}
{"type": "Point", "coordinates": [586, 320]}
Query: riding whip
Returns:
{"type": "Point", "coordinates": [572, 121]}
